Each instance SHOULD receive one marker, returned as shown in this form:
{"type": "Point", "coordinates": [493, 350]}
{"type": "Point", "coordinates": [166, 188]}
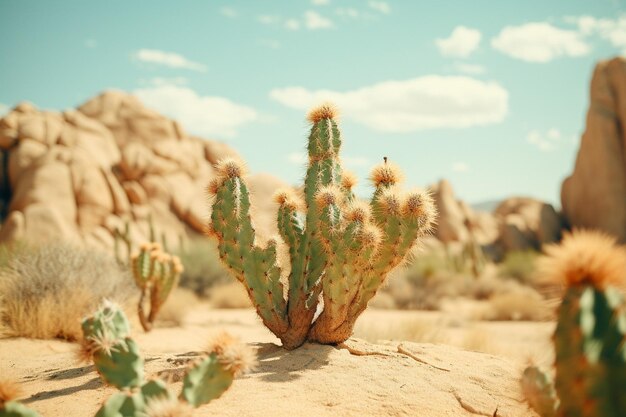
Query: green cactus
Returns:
{"type": "Point", "coordinates": [591, 330]}
{"type": "Point", "coordinates": [538, 388]}
{"type": "Point", "coordinates": [156, 274]}
{"type": "Point", "coordinates": [341, 249]}
{"type": "Point", "coordinates": [16, 409]}
{"type": "Point", "coordinates": [206, 380]}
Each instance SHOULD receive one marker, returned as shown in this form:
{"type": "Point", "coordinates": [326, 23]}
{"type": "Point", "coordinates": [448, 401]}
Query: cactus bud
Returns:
{"type": "Point", "coordinates": [230, 168]}
{"type": "Point", "coordinates": [420, 205]}
{"type": "Point", "coordinates": [327, 195]}
{"type": "Point", "coordinates": [213, 186]}
{"type": "Point", "coordinates": [386, 174]}
{"type": "Point", "coordinates": [288, 198]}
{"type": "Point", "coordinates": [358, 211]}
{"type": "Point", "coordinates": [324, 111]}
{"type": "Point", "coordinates": [236, 357]}
{"type": "Point", "coordinates": [585, 257]}
{"type": "Point", "coordinates": [370, 236]}
{"type": "Point", "coordinates": [348, 180]}
{"type": "Point", "coordinates": [390, 202]}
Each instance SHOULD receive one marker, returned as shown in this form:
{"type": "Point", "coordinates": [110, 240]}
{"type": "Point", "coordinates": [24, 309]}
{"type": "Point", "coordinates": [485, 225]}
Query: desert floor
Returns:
{"type": "Point", "coordinates": [442, 375]}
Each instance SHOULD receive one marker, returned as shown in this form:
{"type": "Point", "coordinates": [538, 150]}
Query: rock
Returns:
{"type": "Point", "coordinates": [451, 225]}
{"type": "Point", "coordinates": [264, 209]}
{"type": "Point", "coordinates": [134, 192]}
{"type": "Point", "coordinates": [594, 196]}
{"type": "Point", "coordinates": [13, 228]}
{"type": "Point", "coordinates": [527, 223]}
{"type": "Point", "coordinates": [23, 157]}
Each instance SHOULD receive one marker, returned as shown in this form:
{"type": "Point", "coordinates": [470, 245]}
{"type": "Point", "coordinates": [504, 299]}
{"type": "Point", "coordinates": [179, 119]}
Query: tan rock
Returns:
{"type": "Point", "coordinates": [134, 192]}
{"type": "Point", "coordinates": [121, 205]}
{"type": "Point", "coordinates": [527, 223]}
{"type": "Point", "coordinates": [13, 227]}
{"type": "Point", "coordinates": [155, 188]}
{"type": "Point", "coordinates": [46, 223]}
{"type": "Point", "coordinates": [214, 151]}
{"type": "Point", "coordinates": [21, 158]}
{"type": "Point", "coordinates": [451, 220]}
{"type": "Point", "coordinates": [594, 196]}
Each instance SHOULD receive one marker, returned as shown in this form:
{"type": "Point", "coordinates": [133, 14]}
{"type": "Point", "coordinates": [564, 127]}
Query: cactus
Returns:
{"type": "Point", "coordinates": [9, 406]}
{"type": "Point", "coordinates": [591, 330]}
{"type": "Point", "coordinates": [156, 274]}
{"type": "Point", "coordinates": [341, 248]}
{"type": "Point", "coordinates": [106, 338]}
{"type": "Point", "coordinates": [538, 388]}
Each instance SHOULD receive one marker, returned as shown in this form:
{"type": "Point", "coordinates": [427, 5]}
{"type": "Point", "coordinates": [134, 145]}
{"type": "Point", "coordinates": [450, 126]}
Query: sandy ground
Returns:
{"type": "Point", "coordinates": [394, 379]}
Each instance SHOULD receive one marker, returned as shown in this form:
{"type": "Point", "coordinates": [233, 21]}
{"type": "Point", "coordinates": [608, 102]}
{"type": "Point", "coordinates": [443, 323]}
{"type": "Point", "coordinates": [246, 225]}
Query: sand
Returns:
{"type": "Point", "coordinates": [359, 378]}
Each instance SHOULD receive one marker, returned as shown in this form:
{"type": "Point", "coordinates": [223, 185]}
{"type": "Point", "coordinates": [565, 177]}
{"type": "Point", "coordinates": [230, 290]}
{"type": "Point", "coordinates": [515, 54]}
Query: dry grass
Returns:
{"type": "Point", "coordinates": [522, 304]}
{"type": "Point", "coordinates": [45, 291]}
{"type": "Point", "coordinates": [176, 307]}
{"type": "Point", "coordinates": [409, 330]}
{"type": "Point", "coordinates": [203, 268]}
{"type": "Point", "coordinates": [231, 295]}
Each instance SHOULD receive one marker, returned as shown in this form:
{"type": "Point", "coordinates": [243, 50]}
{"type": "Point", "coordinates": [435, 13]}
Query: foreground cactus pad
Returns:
{"type": "Point", "coordinates": [107, 342]}
{"type": "Point", "coordinates": [340, 249]}
{"type": "Point", "coordinates": [590, 335]}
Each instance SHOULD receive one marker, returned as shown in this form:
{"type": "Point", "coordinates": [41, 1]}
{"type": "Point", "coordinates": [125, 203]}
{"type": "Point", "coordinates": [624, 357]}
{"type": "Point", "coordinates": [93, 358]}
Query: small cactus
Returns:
{"type": "Point", "coordinates": [206, 379]}
{"type": "Point", "coordinates": [591, 330]}
{"type": "Point", "coordinates": [156, 274]}
{"type": "Point", "coordinates": [341, 248]}
{"type": "Point", "coordinates": [10, 391]}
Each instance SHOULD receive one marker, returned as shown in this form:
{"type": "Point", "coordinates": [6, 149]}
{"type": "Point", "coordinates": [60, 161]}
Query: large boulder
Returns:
{"type": "Point", "coordinates": [594, 196]}
{"type": "Point", "coordinates": [84, 174]}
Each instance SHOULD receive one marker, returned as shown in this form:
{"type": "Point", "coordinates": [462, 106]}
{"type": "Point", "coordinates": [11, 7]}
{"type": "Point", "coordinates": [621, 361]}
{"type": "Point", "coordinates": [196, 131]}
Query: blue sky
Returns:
{"type": "Point", "coordinates": [490, 95]}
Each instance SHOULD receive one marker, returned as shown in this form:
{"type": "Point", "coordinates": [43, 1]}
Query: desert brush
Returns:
{"type": "Point", "coordinates": [116, 357]}
{"type": "Point", "coordinates": [340, 248]}
{"type": "Point", "coordinates": [10, 392]}
{"type": "Point", "coordinates": [590, 336]}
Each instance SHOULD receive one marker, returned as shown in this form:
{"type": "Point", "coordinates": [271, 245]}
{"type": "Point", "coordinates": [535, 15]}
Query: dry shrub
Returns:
{"type": "Point", "coordinates": [203, 268]}
{"type": "Point", "coordinates": [520, 265]}
{"type": "Point", "coordinates": [231, 295]}
{"type": "Point", "coordinates": [409, 330]}
{"type": "Point", "coordinates": [176, 307]}
{"type": "Point", "coordinates": [382, 301]}
{"type": "Point", "coordinates": [45, 291]}
{"type": "Point", "coordinates": [524, 303]}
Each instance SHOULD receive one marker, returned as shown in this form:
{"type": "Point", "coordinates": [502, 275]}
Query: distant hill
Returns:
{"type": "Point", "coordinates": [488, 206]}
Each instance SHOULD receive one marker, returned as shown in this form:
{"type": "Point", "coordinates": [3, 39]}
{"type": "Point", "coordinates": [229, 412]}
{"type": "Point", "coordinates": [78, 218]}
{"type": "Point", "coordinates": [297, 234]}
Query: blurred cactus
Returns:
{"type": "Point", "coordinates": [538, 388]}
{"type": "Point", "coordinates": [106, 342]}
{"type": "Point", "coordinates": [591, 330]}
{"type": "Point", "coordinates": [10, 391]}
{"type": "Point", "coordinates": [123, 237]}
{"type": "Point", "coordinates": [156, 275]}
{"type": "Point", "coordinates": [341, 248]}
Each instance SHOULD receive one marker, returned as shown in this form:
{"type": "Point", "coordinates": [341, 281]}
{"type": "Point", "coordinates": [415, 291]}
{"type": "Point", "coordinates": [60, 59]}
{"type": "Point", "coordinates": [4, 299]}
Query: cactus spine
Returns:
{"type": "Point", "coordinates": [107, 342]}
{"type": "Point", "coordinates": [590, 336]}
{"type": "Point", "coordinates": [341, 249]}
{"type": "Point", "coordinates": [156, 274]}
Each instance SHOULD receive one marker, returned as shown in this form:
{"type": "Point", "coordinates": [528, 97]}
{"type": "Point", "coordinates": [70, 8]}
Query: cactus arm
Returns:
{"type": "Point", "coordinates": [290, 228]}
{"type": "Point", "coordinates": [133, 404]}
{"type": "Point", "coordinates": [253, 266]}
{"type": "Point", "coordinates": [538, 388]}
{"type": "Point", "coordinates": [16, 409]}
{"type": "Point", "coordinates": [205, 382]}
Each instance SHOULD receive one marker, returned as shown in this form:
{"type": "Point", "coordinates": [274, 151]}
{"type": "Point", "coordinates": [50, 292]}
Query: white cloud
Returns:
{"type": "Point", "coordinates": [229, 12]}
{"type": "Point", "coordinates": [472, 69]}
{"type": "Point", "coordinates": [320, 2]}
{"type": "Point", "coordinates": [611, 30]}
{"type": "Point", "coordinates": [460, 167]}
{"type": "Point", "coordinates": [380, 6]}
{"type": "Point", "coordinates": [90, 43]}
{"type": "Point", "coordinates": [539, 42]}
{"type": "Point", "coordinates": [461, 42]}
{"type": "Point", "coordinates": [268, 19]}
{"type": "Point", "coordinates": [314, 21]}
{"type": "Point", "coordinates": [158, 81]}
{"type": "Point", "coordinates": [546, 141]}
{"type": "Point", "coordinates": [292, 24]}
{"type": "Point", "coordinates": [4, 109]}
{"type": "Point", "coordinates": [348, 12]}
{"type": "Point", "coordinates": [206, 116]}
{"type": "Point", "coordinates": [426, 102]}
{"type": "Point", "coordinates": [270, 43]}
{"type": "Point", "coordinates": [298, 158]}
{"type": "Point", "coordinates": [168, 59]}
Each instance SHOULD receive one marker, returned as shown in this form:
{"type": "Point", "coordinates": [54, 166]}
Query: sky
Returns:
{"type": "Point", "coordinates": [489, 95]}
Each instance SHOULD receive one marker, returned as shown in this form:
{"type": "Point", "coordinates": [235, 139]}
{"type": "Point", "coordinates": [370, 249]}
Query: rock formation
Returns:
{"type": "Point", "coordinates": [594, 196]}
{"type": "Point", "coordinates": [518, 223]}
{"type": "Point", "coordinates": [82, 174]}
